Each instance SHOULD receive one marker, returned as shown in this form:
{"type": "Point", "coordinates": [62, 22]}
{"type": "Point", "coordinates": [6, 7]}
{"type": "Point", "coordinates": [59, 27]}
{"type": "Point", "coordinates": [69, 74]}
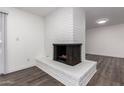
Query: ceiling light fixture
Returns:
{"type": "Point", "coordinates": [102, 21]}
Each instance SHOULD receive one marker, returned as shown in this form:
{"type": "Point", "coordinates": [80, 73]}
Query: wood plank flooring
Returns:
{"type": "Point", "coordinates": [110, 72]}
{"type": "Point", "coordinates": [28, 77]}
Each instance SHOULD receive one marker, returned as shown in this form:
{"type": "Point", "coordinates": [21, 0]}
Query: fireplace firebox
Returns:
{"type": "Point", "coordinates": [67, 53]}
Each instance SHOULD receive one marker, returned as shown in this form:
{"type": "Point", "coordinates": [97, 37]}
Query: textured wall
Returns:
{"type": "Point", "coordinates": [79, 28]}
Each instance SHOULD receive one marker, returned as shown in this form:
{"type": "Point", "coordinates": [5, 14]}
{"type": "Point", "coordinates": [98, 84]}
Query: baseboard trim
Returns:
{"type": "Point", "coordinates": [102, 55]}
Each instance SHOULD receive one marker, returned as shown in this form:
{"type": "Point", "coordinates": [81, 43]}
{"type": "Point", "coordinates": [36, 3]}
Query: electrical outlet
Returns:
{"type": "Point", "coordinates": [28, 59]}
{"type": "Point", "coordinates": [17, 39]}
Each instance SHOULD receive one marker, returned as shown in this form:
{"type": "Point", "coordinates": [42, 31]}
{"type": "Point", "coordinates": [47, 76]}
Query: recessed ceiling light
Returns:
{"type": "Point", "coordinates": [102, 21]}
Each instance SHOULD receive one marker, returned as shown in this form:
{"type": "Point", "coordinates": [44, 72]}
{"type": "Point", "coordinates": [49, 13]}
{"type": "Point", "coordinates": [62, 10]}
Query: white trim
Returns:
{"type": "Point", "coordinates": [5, 46]}
{"type": "Point", "coordinates": [3, 38]}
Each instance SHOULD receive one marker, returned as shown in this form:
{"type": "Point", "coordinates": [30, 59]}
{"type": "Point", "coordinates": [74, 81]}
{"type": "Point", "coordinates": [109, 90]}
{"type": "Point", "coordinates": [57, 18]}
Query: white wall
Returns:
{"type": "Point", "coordinates": [65, 25]}
{"type": "Point", "coordinates": [107, 41]}
{"type": "Point", "coordinates": [25, 38]}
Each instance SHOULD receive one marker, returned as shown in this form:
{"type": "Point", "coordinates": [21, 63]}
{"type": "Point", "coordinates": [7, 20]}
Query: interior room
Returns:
{"type": "Point", "coordinates": [104, 44]}
{"type": "Point", "coordinates": [61, 46]}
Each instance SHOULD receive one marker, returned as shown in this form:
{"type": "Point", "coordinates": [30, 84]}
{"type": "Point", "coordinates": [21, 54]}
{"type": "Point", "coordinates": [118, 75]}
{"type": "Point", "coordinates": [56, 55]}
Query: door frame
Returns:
{"type": "Point", "coordinates": [4, 45]}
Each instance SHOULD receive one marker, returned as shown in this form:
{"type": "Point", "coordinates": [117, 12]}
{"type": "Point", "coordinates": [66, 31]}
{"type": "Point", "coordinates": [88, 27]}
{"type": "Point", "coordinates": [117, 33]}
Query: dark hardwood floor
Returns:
{"type": "Point", "coordinates": [110, 72]}
{"type": "Point", "coordinates": [28, 77]}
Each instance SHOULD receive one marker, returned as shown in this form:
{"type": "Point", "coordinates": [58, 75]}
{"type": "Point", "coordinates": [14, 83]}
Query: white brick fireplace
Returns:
{"type": "Point", "coordinates": [66, 25]}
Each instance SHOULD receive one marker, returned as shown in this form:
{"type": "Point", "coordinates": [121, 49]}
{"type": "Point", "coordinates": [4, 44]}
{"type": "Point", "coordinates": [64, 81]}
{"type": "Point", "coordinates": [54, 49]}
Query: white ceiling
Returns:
{"type": "Point", "coordinates": [41, 11]}
{"type": "Point", "coordinates": [114, 14]}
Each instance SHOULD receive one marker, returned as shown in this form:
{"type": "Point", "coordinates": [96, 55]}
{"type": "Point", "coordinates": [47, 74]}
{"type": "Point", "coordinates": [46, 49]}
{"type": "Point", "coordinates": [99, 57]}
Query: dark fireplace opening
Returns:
{"type": "Point", "coordinates": [67, 53]}
{"type": "Point", "coordinates": [61, 53]}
